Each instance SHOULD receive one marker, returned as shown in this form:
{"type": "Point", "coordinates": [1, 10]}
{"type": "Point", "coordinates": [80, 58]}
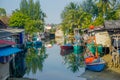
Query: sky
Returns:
{"type": "Point", "coordinates": [52, 8]}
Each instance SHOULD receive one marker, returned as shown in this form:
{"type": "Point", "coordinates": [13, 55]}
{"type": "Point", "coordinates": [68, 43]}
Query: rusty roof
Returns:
{"type": "Point", "coordinates": [2, 25]}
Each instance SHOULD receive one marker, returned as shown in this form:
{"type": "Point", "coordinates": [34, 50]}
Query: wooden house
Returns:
{"type": "Point", "coordinates": [108, 34]}
{"type": "Point", "coordinates": [7, 53]}
{"type": "Point", "coordinates": [7, 50]}
{"type": "Point", "coordinates": [113, 27]}
{"type": "Point", "coordinates": [18, 35]}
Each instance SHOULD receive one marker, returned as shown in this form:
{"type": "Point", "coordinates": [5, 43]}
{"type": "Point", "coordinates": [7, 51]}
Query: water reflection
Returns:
{"type": "Point", "coordinates": [35, 58]}
{"type": "Point", "coordinates": [17, 65]}
{"type": "Point", "coordinates": [49, 43]}
{"type": "Point", "coordinates": [60, 41]}
{"type": "Point", "coordinates": [50, 62]}
{"type": "Point", "coordinates": [72, 60]}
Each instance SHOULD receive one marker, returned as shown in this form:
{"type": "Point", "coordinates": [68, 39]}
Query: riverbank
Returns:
{"type": "Point", "coordinates": [110, 72]}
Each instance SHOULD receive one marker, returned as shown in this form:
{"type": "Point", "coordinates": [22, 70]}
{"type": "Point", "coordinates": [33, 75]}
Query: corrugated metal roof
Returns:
{"type": "Point", "coordinates": [11, 30]}
{"type": "Point", "coordinates": [112, 24]}
{"type": "Point", "coordinates": [5, 34]}
{"type": "Point", "coordinates": [5, 19]}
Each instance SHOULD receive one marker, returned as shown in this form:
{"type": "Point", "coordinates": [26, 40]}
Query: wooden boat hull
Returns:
{"type": "Point", "coordinates": [66, 47]}
{"type": "Point", "coordinates": [96, 66]}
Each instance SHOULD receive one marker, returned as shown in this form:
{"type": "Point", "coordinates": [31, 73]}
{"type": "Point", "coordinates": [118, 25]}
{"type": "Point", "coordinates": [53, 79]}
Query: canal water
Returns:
{"type": "Point", "coordinates": [49, 63]}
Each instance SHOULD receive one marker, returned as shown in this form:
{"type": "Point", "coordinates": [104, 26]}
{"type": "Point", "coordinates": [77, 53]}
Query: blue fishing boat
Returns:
{"type": "Point", "coordinates": [96, 66]}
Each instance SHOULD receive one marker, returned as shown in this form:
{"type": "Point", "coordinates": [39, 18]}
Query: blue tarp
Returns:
{"type": "Point", "coordinates": [8, 51]}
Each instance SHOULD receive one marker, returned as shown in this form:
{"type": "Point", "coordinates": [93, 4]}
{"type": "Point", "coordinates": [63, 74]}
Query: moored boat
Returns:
{"type": "Point", "coordinates": [96, 66]}
{"type": "Point", "coordinates": [67, 47]}
{"type": "Point", "coordinates": [78, 49]}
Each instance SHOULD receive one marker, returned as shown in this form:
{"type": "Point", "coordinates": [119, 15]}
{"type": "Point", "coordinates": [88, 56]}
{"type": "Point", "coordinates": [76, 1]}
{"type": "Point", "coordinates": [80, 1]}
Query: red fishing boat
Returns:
{"type": "Point", "coordinates": [67, 47]}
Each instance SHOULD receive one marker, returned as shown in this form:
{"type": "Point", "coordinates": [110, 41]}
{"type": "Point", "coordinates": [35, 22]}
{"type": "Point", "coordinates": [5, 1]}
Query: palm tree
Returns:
{"type": "Point", "coordinates": [69, 16]}
{"type": "Point", "coordinates": [90, 7]}
{"type": "Point", "coordinates": [106, 6]}
{"type": "Point", "coordinates": [74, 16]}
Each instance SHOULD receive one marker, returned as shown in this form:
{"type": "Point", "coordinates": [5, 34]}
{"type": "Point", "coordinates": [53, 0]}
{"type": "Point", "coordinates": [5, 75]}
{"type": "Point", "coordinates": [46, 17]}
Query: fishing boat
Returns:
{"type": "Point", "coordinates": [94, 63]}
{"type": "Point", "coordinates": [78, 49]}
{"type": "Point", "coordinates": [97, 66]}
{"type": "Point", "coordinates": [67, 47]}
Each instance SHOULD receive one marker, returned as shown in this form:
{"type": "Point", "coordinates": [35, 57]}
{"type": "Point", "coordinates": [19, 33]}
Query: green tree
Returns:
{"type": "Point", "coordinates": [2, 12]}
{"type": "Point", "coordinates": [99, 20]}
{"type": "Point", "coordinates": [32, 26]}
{"type": "Point", "coordinates": [73, 16]}
{"type": "Point", "coordinates": [69, 14]}
{"type": "Point", "coordinates": [90, 7]}
{"type": "Point", "coordinates": [107, 7]}
{"type": "Point", "coordinates": [18, 19]}
{"type": "Point", "coordinates": [32, 9]}
{"type": "Point", "coordinates": [33, 22]}
{"type": "Point", "coordinates": [24, 7]}
{"type": "Point", "coordinates": [39, 14]}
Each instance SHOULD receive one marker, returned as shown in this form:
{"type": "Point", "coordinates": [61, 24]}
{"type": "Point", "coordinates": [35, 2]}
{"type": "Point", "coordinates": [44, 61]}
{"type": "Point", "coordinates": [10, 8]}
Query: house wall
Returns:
{"type": "Point", "coordinates": [103, 38]}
